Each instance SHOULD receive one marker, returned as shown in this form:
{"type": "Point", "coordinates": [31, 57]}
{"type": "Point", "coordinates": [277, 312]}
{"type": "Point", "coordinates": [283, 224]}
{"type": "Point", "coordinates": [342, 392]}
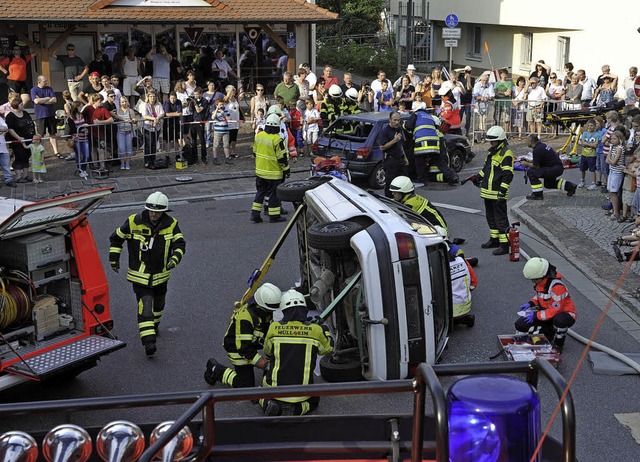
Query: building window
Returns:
{"type": "Point", "coordinates": [526, 50]}
{"type": "Point", "coordinates": [563, 52]}
{"type": "Point", "coordinates": [474, 49]}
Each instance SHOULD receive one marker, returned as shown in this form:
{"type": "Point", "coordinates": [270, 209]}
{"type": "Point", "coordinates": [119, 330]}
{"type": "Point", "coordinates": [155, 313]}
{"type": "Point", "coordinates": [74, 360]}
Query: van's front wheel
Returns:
{"type": "Point", "coordinates": [343, 369]}
{"type": "Point", "coordinates": [334, 235]}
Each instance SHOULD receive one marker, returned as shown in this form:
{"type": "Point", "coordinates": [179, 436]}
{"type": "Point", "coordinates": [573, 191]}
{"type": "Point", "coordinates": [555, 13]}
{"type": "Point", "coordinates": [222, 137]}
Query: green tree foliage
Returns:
{"type": "Point", "coordinates": [356, 17]}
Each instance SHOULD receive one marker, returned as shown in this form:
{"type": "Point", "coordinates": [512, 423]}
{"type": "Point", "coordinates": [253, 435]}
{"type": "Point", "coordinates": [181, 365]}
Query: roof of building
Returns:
{"type": "Point", "coordinates": [154, 11]}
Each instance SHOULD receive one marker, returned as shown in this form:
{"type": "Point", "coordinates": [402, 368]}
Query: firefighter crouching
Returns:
{"type": "Point", "coordinates": [272, 166]}
{"type": "Point", "coordinates": [403, 191]}
{"type": "Point", "coordinates": [494, 181]}
{"type": "Point", "coordinates": [156, 246]}
{"type": "Point", "coordinates": [244, 340]}
{"type": "Point", "coordinates": [292, 346]}
{"type": "Point", "coordinates": [551, 311]}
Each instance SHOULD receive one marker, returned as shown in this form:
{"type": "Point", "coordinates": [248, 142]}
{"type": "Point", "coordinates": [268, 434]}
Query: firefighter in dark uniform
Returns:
{"type": "Point", "coordinates": [272, 166]}
{"type": "Point", "coordinates": [429, 145]}
{"type": "Point", "coordinates": [333, 106]}
{"type": "Point", "coordinates": [244, 340]}
{"type": "Point", "coordinates": [391, 139]}
{"type": "Point", "coordinates": [404, 192]}
{"type": "Point", "coordinates": [551, 311]}
{"type": "Point", "coordinates": [292, 346]}
{"type": "Point", "coordinates": [494, 181]}
{"type": "Point", "coordinates": [156, 246]}
{"type": "Point", "coordinates": [546, 167]}
{"type": "Point", "coordinates": [351, 102]}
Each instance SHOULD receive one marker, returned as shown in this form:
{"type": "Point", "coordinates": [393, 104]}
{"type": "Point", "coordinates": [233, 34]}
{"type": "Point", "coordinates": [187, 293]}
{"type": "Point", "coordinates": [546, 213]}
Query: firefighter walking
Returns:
{"type": "Point", "coordinates": [494, 181]}
{"type": "Point", "coordinates": [272, 166]}
{"type": "Point", "coordinates": [244, 340]}
{"type": "Point", "coordinates": [551, 311]}
{"type": "Point", "coordinates": [292, 346]}
{"type": "Point", "coordinates": [156, 246]}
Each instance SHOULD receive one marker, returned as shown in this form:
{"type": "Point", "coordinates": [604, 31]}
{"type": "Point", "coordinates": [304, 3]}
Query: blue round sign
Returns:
{"type": "Point", "coordinates": [451, 20]}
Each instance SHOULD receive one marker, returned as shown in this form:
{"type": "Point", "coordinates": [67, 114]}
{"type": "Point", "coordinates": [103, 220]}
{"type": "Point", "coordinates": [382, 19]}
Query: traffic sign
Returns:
{"type": "Point", "coordinates": [452, 33]}
{"type": "Point", "coordinates": [636, 87]}
{"type": "Point", "coordinates": [451, 43]}
{"type": "Point", "coordinates": [451, 20]}
{"type": "Point", "coordinates": [253, 33]}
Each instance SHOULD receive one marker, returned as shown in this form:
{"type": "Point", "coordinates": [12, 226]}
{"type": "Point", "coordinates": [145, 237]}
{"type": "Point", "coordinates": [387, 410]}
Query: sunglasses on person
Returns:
{"type": "Point", "coordinates": [70, 49]}
{"type": "Point", "coordinates": [259, 89]}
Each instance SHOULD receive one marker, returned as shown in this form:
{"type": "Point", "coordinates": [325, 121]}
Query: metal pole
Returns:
{"type": "Point", "coordinates": [450, 59]}
{"type": "Point", "coordinates": [409, 37]}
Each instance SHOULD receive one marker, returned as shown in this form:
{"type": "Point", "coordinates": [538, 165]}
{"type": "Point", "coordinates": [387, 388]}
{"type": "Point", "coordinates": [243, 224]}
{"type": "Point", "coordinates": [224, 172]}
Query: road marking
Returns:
{"type": "Point", "coordinates": [456, 208]}
{"type": "Point", "coordinates": [632, 422]}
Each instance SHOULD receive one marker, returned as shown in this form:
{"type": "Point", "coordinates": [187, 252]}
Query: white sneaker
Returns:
{"type": "Point", "coordinates": [83, 174]}
{"type": "Point", "coordinates": [581, 184]}
{"type": "Point", "coordinates": [592, 187]}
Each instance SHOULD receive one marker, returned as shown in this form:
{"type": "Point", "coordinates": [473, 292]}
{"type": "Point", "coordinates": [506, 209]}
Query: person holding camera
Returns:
{"type": "Point", "coordinates": [161, 60]}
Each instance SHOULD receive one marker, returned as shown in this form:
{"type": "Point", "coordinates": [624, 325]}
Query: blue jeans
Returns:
{"type": "Point", "coordinates": [125, 143]}
{"type": "Point", "coordinates": [83, 155]}
{"type": "Point", "coordinates": [5, 164]}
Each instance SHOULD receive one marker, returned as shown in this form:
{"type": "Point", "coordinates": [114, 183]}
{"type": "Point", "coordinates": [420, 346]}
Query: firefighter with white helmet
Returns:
{"type": "Point", "coordinates": [551, 311]}
{"type": "Point", "coordinates": [494, 181]}
{"type": "Point", "coordinates": [244, 339]}
{"type": "Point", "coordinates": [403, 191]}
{"type": "Point", "coordinates": [272, 167]}
{"type": "Point", "coordinates": [351, 101]}
{"type": "Point", "coordinates": [156, 246]}
{"type": "Point", "coordinates": [333, 106]}
{"type": "Point", "coordinates": [448, 111]}
{"type": "Point", "coordinates": [292, 345]}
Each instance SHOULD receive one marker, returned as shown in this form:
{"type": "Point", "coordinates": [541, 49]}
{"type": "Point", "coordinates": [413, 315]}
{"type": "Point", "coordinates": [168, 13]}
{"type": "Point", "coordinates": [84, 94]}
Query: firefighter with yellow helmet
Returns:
{"type": "Point", "coordinates": [156, 246]}
{"type": "Point", "coordinates": [551, 310]}
{"type": "Point", "coordinates": [244, 339]}
{"type": "Point", "coordinates": [292, 345]}
{"type": "Point", "coordinates": [272, 166]}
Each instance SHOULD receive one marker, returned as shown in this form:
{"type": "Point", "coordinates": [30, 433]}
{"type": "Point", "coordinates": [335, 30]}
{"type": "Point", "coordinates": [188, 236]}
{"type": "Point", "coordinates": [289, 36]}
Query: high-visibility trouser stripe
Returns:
{"type": "Point", "coordinates": [115, 249]}
{"type": "Point", "coordinates": [146, 328]}
{"type": "Point", "coordinates": [237, 360]}
{"type": "Point", "coordinates": [228, 376]}
{"type": "Point", "coordinates": [274, 211]}
{"type": "Point", "coordinates": [157, 316]}
{"type": "Point", "coordinates": [494, 233]}
{"type": "Point", "coordinates": [561, 185]}
{"type": "Point", "coordinates": [536, 187]}
{"type": "Point", "coordinates": [256, 207]}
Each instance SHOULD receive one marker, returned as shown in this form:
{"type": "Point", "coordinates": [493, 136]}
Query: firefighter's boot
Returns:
{"type": "Point", "coordinates": [150, 348]}
{"type": "Point", "coordinates": [503, 249]}
{"type": "Point", "coordinates": [491, 244]}
{"type": "Point", "coordinates": [213, 372]}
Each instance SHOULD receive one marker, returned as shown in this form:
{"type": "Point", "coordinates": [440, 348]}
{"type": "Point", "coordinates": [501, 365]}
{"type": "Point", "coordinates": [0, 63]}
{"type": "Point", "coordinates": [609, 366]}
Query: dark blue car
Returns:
{"type": "Point", "coordinates": [353, 138]}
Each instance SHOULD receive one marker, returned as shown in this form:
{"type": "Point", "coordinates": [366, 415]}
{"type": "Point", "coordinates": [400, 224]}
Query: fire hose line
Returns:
{"type": "Point", "coordinates": [15, 306]}
{"type": "Point", "coordinates": [611, 352]}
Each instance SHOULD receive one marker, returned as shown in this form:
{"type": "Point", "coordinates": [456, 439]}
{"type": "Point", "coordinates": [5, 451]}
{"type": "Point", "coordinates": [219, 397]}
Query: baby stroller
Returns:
{"type": "Point", "coordinates": [330, 166]}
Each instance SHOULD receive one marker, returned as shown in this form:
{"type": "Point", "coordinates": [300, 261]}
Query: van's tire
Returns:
{"type": "Point", "coordinates": [334, 235]}
{"type": "Point", "coordinates": [293, 191]}
{"type": "Point", "coordinates": [377, 177]}
{"type": "Point", "coordinates": [347, 370]}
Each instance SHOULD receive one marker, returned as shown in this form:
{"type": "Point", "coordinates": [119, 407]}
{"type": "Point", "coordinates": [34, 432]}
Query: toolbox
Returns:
{"type": "Point", "coordinates": [33, 251]}
{"type": "Point", "coordinates": [526, 347]}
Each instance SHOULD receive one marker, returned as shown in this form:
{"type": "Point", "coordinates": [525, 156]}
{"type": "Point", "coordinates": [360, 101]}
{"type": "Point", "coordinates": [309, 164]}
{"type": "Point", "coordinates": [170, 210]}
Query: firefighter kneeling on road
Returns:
{"type": "Point", "coordinates": [156, 246]}
{"type": "Point", "coordinates": [551, 311]}
{"type": "Point", "coordinates": [292, 346]}
{"type": "Point", "coordinates": [244, 339]}
{"type": "Point", "coordinates": [403, 191]}
{"type": "Point", "coordinates": [272, 166]}
{"type": "Point", "coordinates": [494, 181]}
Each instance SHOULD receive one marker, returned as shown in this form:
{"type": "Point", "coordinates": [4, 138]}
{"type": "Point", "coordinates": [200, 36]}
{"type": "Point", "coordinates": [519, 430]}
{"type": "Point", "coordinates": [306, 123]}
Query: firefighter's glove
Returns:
{"type": "Point", "coordinates": [262, 363]}
{"type": "Point", "coordinates": [287, 174]}
{"type": "Point", "coordinates": [525, 306]}
{"type": "Point", "coordinates": [529, 317]}
{"type": "Point", "coordinates": [502, 195]}
{"type": "Point", "coordinates": [476, 180]}
{"type": "Point", "coordinates": [172, 263]}
{"type": "Point", "coordinates": [115, 265]}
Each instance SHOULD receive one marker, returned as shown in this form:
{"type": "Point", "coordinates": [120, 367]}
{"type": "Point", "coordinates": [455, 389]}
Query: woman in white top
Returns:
{"type": "Point", "coordinates": [519, 94]}
{"type": "Point", "coordinates": [233, 109]}
{"type": "Point", "coordinates": [152, 113]}
{"type": "Point", "coordinates": [259, 102]}
{"type": "Point", "coordinates": [190, 84]}
{"type": "Point", "coordinates": [126, 118]}
{"type": "Point", "coordinates": [187, 115]}
{"type": "Point", "coordinates": [5, 162]}
{"type": "Point", "coordinates": [130, 68]}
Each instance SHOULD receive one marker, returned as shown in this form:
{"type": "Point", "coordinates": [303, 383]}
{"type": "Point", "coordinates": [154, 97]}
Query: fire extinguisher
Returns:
{"type": "Point", "coordinates": [514, 242]}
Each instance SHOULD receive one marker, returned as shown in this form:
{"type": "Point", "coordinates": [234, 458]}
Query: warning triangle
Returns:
{"type": "Point", "coordinates": [194, 34]}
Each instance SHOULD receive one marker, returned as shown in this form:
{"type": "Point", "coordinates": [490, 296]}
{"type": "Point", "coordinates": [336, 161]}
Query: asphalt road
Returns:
{"type": "Point", "coordinates": [223, 247]}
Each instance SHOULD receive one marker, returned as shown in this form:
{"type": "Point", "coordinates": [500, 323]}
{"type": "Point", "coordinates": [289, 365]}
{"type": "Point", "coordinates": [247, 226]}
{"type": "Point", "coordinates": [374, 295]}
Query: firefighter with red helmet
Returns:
{"type": "Point", "coordinates": [156, 246]}
{"type": "Point", "coordinates": [244, 339]}
{"type": "Point", "coordinates": [551, 311]}
{"type": "Point", "coordinates": [292, 345]}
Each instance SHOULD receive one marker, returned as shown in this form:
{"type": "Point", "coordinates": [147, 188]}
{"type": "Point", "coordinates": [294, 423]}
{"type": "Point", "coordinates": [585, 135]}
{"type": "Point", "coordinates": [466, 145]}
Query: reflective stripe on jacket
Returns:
{"type": "Point", "coordinates": [497, 173]}
{"type": "Point", "coordinates": [150, 247]}
{"type": "Point", "coordinates": [271, 156]}
{"type": "Point", "coordinates": [422, 206]}
{"type": "Point", "coordinates": [245, 334]}
{"type": "Point", "coordinates": [425, 134]}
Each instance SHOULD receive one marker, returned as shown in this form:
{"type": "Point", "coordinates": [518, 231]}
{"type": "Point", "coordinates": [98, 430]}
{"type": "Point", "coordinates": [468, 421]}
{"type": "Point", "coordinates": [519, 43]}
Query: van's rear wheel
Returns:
{"type": "Point", "coordinates": [343, 369]}
{"type": "Point", "coordinates": [293, 191]}
{"type": "Point", "coordinates": [334, 235]}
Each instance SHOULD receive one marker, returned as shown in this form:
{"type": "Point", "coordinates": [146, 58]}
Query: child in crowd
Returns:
{"type": "Point", "coordinates": [295, 126]}
{"type": "Point", "coordinates": [310, 125]}
{"type": "Point", "coordinates": [613, 121]}
{"type": "Point", "coordinates": [286, 117]}
{"type": "Point", "coordinates": [589, 140]}
{"type": "Point", "coordinates": [629, 188]}
{"type": "Point", "coordinates": [615, 160]}
{"type": "Point", "coordinates": [385, 98]}
{"type": "Point", "coordinates": [418, 103]}
{"type": "Point", "coordinates": [402, 108]}
{"type": "Point", "coordinates": [220, 132]}
{"type": "Point", "coordinates": [37, 158]}
{"type": "Point", "coordinates": [232, 109]}
{"type": "Point", "coordinates": [260, 120]}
